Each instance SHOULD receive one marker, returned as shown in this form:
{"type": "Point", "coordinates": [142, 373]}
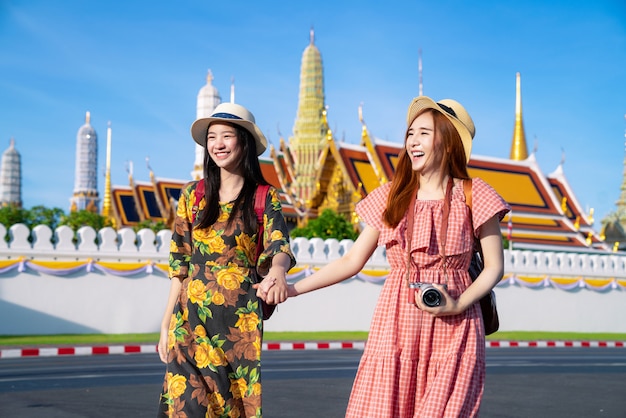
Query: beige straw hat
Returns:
{"type": "Point", "coordinates": [230, 113]}
{"type": "Point", "coordinates": [452, 110]}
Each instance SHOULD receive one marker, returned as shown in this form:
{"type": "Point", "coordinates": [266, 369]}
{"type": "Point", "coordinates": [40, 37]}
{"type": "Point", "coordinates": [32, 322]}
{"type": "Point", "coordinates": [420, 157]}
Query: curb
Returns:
{"type": "Point", "coordinates": [276, 346]}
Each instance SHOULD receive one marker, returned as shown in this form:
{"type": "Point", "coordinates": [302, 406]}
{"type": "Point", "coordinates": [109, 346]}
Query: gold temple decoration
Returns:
{"type": "Point", "coordinates": [310, 127]}
{"type": "Point", "coordinates": [106, 202]}
{"type": "Point", "coordinates": [519, 151]}
{"type": "Point", "coordinates": [368, 142]}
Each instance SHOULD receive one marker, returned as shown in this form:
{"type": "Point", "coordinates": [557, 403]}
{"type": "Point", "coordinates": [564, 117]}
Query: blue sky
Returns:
{"type": "Point", "coordinates": [139, 64]}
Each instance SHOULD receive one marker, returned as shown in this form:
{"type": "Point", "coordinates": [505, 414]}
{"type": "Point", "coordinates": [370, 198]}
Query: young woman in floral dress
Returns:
{"type": "Point", "coordinates": [212, 329]}
{"type": "Point", "coordinates": [422, 361]}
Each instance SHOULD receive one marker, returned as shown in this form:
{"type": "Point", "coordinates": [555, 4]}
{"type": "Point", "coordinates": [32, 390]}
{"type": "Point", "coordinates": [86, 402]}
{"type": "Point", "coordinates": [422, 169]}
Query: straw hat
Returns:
{"type": "Point", "coordinates": [230, 113]}
{"type": "Point", "coordinates": [452, 110]}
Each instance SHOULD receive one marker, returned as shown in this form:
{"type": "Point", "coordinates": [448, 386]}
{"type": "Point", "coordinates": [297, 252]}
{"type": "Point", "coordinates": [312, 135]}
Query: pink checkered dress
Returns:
{"type": "Point", "coordinates": [415, 365]}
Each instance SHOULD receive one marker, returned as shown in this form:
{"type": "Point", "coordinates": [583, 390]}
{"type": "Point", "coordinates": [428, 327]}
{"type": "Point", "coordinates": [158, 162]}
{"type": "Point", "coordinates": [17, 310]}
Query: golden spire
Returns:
{"type": "Point", "coordinates": [621, 202]}
{"type": "Point", "coordinates": [518, 147]}
{"type": "Point", "coordinates": [87, 117]}
{"type": "Point", "coordinates": [310, 127]}
{"type": "Point", "coordinates": [106, 204]}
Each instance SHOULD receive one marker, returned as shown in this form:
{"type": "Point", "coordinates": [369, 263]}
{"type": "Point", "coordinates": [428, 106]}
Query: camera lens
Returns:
{"type": "Point", "coordinates": [431, 297]}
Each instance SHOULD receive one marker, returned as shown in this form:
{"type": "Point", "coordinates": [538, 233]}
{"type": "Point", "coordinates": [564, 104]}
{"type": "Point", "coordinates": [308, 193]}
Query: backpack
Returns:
{"type": "Point", "coordinates": [487, 302]}
{"type": "Point", "coordinates": [259, 209]}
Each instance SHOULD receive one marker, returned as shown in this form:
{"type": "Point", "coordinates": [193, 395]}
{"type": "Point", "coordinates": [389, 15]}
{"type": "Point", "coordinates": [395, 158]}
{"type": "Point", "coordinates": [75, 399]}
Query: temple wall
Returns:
{"type": "Point", "coordinates": [57, 282]}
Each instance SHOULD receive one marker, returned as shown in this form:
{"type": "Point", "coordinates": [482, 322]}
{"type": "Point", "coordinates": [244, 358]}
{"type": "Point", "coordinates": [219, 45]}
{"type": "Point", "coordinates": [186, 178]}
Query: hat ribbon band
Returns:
{"type": "Point", "coordinates": [448, 110]}
{"type": "Point", "coordinates": [225, 116]}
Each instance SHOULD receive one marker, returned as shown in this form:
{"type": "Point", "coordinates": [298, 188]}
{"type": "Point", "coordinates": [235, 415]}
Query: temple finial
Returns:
{"type": "Point", "coordinates": [312, 35]}
{"type": "Point", "coordinates": [232, 89]}
{"type": "Point", "coordinates": [106, 204]}
{"type": "Point", "coordinates": [361, 113]}
{"type": "Point", "coordinates": [209, 77]}
{"type": "Point", "coordinates": [419, 66]}
{"type": "Point", "coordinates": [87, 118]}
{"type": "Point", "coordinates": [519, 151]}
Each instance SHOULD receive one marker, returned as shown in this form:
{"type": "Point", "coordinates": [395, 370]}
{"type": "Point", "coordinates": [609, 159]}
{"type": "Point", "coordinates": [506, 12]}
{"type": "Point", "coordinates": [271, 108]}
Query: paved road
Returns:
{"type": "Point", "coordinates": [527, 382]}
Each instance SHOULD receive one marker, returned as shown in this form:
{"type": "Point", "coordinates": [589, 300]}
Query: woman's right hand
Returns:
{"type": "Point", "coordinates": [162, 346]}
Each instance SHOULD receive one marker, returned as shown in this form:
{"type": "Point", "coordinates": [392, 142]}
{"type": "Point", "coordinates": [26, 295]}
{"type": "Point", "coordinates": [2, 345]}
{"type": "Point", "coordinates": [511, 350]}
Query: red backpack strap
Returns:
{"type": "Point", "coordinates": [467, 190]}
{"type": "Point", "coordinates": [259, 209]}
{"type": "Point", "coordinates": [198, 194]}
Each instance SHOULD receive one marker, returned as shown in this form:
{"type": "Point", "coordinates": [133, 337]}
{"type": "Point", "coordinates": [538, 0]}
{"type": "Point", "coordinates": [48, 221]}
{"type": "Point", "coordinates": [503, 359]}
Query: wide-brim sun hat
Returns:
{"type": "Point", "coordinates": [229, 113]}
{"type": "Point", "coordinates": [452, 110]}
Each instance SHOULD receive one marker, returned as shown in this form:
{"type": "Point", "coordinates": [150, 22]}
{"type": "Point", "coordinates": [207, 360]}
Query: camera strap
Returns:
{"type": "Point", "coordinates": [409, 237]}
{"type": "Point", "coordinates": [444, 226]}
{"type": "Point", "coordinates": [444, 231]}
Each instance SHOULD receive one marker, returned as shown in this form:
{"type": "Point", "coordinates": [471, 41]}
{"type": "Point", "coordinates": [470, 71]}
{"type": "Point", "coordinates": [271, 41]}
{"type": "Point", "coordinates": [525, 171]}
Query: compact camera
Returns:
{"type": "Point", "coordinates": [431, 296]}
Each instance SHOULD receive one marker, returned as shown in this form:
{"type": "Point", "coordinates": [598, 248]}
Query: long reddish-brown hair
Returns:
{"type": "Point", "coordinates": [405, 181]}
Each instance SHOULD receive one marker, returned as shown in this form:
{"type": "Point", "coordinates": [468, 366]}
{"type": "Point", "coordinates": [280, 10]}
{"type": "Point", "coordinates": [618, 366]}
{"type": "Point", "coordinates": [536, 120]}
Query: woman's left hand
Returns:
{"type": "Point", "coordinates": [448, 306]}
{"type": "Point", "coordinates": [278, 292]}
{"type": "Point", "coordinates": [263, 288]}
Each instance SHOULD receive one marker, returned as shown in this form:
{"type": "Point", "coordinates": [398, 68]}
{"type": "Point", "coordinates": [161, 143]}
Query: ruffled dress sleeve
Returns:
{"type": "Point", "coordinates": [180, 244]}
{"type": "Point", "coordinates": [275, 233]}
{"type": "Point", "coordinates": [370, 210]}
{"type": "Point", "coordinates": [486, 203]}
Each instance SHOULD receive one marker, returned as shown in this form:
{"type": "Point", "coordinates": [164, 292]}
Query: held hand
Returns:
{"type": "Point", "coordinates": [263, 288]}
{"type": "Point", "coordinates": [277, 293]}
{"type": "Point", "coordinates": [448, 306]}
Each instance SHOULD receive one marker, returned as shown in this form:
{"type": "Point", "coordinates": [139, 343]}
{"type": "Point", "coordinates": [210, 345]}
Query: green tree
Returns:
{"type": "Point", "coordinates": [328, 225]}
{"type": "Point", "coordinates": [78, 219]}
{"type": "Point", "coordinates": [11, 214]}
{"type": "Point", "coordinates": [41, 215]}
{"type": "Point", "coordinates": [149, 224]}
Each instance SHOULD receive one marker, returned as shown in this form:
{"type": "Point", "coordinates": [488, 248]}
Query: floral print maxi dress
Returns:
{"type": "Point", "coordinates": [416, 365]}
{"type": "Point", "coordinates": [215, 332]}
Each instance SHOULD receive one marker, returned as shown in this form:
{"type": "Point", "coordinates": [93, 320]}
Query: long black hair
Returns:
{"type": "Point", "coordinates": [251, 170]}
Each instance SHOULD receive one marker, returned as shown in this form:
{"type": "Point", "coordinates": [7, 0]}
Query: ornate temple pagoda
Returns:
{"type": "Point", "coordinates": [314, 171]}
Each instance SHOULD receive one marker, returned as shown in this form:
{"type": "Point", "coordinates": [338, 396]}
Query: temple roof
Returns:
{"type": "Point", "coordinates": [155, 200]}
{"type": "Point", "coordinates": [314, 170]}
{"type": "Point", "coordinates": [545, 210]}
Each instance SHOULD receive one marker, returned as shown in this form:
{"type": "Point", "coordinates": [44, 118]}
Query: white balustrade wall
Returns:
{"type": "Point", "coordinates": [109, 281]}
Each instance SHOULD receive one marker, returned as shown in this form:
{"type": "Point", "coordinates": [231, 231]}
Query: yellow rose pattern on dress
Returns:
{"type": "Point", "coordinates": [215, 333]}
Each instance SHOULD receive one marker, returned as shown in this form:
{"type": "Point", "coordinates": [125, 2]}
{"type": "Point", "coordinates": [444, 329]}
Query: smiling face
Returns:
{"type": "Point", "coordinates": [422, 144]}
{"type": "Point", "coordinates": [224, 147]}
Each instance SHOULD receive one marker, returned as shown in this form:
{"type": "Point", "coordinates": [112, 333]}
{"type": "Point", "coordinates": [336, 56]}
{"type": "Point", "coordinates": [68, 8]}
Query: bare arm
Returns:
{"type": "Point", "coordinates": [175, 286]}
{"type": "Point", "coordinates": [277, 276]}
{"type": "Point", "coordinates": [343, 268]}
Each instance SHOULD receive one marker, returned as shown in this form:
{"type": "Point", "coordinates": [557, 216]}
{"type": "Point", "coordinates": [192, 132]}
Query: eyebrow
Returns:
{"type": "Point", "coordinates": [421, 128]}
{"type": "Point", "coordinates": [232, 130]}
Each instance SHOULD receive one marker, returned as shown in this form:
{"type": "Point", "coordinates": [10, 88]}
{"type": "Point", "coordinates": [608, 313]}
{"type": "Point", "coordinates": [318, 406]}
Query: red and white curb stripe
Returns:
{"type": "Point", "coordinates": [358, 345]}
{"type": "Point", "coordinates": [273, 346]}
{"type": "Point", "coordinates": [505, 344]}
{"type": "Point", "coordinates": [76, 351]}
